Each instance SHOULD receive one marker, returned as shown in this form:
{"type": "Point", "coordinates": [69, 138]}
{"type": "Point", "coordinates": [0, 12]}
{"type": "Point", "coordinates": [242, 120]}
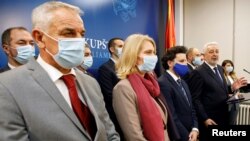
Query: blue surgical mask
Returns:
{"type": "Point", "coordinates": [118, 52]}
{"type": "Point", "coordinates": [229, 69]}
{"type": "Point", "coordinates": [87, 62]}
{"type": "Point", "coordinates": [197, 61]}
{"type": "Point", "coordinates": [70, 52]}
{"type": "Point", "coordinates": [24, 53]}
{"type": "Point", "coordinates": [149, 63]}
{"type": "Point", "coordinates": [180, 69]}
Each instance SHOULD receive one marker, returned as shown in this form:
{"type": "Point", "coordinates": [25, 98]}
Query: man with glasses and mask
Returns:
{"type": "Point", "coordinates": [18, 45]}
{"type": "Point", "coordinates": [47, 99]}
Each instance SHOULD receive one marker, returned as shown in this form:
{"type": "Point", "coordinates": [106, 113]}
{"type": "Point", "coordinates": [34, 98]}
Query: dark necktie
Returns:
{"type": "Point", "coordinates": [82, 111]}
{"type": "Point", "coordinates": [218, 76]}
{"type": "Point", "coordinates": [183, 90]}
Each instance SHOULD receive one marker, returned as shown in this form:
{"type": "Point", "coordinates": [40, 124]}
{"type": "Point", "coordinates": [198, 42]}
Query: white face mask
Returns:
{"type": "Point", "coordinates": [118, 52]}
{"type": "Point", "coordinates": [24, 53]}
{"type": "Point", "coordinates": [229, 69]}
{"type": "Point", "coordinates": [70, 52]}
{"type": "Point", "coordinates": [87, 63]}
{"type": "Point", "coordinates": [149, 63]}
{"type": "Point", "coordinates": [197, 61]}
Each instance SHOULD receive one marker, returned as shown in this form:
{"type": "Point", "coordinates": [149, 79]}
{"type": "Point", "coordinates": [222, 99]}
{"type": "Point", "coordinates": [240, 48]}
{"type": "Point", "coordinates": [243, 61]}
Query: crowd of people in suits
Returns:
{"type": "Point", "coordinates": [54, 97]}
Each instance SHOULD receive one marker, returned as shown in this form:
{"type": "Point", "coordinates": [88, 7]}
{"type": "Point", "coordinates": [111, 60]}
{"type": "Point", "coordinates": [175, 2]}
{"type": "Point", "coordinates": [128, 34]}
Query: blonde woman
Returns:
{"type": "Point", "coordinates": [139, 108]}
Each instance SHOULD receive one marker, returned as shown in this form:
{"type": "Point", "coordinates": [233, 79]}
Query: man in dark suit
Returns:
{"type": "Point", "coordinates": [209, 91]}
{"type": "Point", "coordinates": [107, 77]}
{"type": "Point", "coordinates": [18, 45]}
{"type": "Point", "coordinates": [177, 93]}
{"type": "Point", "coordinates": [193, 58]}
{"type": "Point", "coordinates": [46, 99]}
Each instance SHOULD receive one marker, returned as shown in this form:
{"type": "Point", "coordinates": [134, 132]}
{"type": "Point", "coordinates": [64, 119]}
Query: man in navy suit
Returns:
{"type": "Point", "coordinates": [18, 45]}
{"type": "Point", "coordinates": [209, 91]}
{"type": "Point", "coordinates": [107, 77]}
{"type": "Point", "coordinates": [177, 93]}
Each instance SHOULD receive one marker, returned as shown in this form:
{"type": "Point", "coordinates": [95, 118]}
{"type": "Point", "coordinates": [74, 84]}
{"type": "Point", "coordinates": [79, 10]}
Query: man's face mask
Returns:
{"type": "Point", "coordinates": [88, 62]}
{"type": "Point", "coordinates": [180, 69]}
{"type": "Point", "coordinates": [118, 52]}
{"type": "Point", "coordinates": [70, 51]}
{"type": "Point", "coordinates": [197, 61]}
{"type": "Point", "coordinates": [24, 53]}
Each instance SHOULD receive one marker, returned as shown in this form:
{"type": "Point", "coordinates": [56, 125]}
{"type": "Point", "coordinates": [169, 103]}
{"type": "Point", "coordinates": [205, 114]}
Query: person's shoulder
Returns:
{"type": "Point", "coordinates": [16, 70]}
{"type": "Point", "coordinates": [15, 76]}
{"type": "Point", "coordinates": [163, 77]}
{"type": "Point", "coordinates": [123, 84]}
{"type": "Point", "coordinates": [107, 67]}
{"type": "Point", "coordinates": [220, 67]}
{"type": "Point", "coordinates": [107, 64]}
{"type": "Point", "coordinates": [84, 76]}
{"type": "Point", "coordinates": [123, 88]}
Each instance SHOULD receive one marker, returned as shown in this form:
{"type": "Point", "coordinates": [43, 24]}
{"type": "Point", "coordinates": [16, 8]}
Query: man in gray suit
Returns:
{"type": "Point", "coordinates": [35, 103]}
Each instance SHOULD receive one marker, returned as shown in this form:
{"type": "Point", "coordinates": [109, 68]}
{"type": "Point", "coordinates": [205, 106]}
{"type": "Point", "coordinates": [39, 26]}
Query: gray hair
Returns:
{"type": "Point", "coordinates": [209, 44]}
{"type": "Point", "coordinates": [42, 14]}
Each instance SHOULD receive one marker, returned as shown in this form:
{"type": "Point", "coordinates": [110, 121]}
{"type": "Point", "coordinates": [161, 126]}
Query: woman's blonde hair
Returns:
{"type": "Point", "coordinates": [133, 45]}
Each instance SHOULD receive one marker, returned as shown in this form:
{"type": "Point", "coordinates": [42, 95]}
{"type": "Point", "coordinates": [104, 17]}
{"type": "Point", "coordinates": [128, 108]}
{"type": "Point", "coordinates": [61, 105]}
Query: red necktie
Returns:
{"type": "Point", "coordinates": [82, 111]}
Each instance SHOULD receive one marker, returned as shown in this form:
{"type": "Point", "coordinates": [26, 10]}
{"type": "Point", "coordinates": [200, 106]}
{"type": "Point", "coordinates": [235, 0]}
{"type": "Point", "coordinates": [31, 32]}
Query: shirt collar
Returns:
{"type": "Point", "coordinates": [54, 73]}
{"type": "Point", "coordinates": [113, 59]}
{"type": "Point", "coordinates": [173, 75]}
{"type": "Point", "coordinates": [11, 66]}
{"type": "Point", "coordinates": [212, 67]}
{"type": "Point", "coordinates": [191, 65]}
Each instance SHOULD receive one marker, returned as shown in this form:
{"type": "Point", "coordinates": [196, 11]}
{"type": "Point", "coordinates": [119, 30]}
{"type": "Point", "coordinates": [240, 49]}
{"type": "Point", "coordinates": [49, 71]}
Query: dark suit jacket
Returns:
{"type": "Point", "coordinates": [184, 114]}
{"type": "Point", "coordinates": [171, 126]}
{"type": "Point", "coordinates": [190, 69]}
{"type": "Point", "coordinates": [209, 94]}
{"type": "Point", "coordinates": [5, 68]}
{"type": "Point", "coordinates": [107, 79]}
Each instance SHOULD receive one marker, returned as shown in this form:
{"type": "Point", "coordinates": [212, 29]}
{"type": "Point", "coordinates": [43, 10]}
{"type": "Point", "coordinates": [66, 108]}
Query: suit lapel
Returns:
{"type": "Point", "coordinates": [84, 94]}
{"type": "Point", "coordinates": [42, 78]}
{"type": "Point", "coordinates": [211, 73]}
{"type": "Point", "coordinates": [187, 90]}
{"type": "Point", "coordinates": [177, 88]}
{"type": "Point", "coordinates": [223, 78]}
{"type": "Point", "coordinates": [112, 65]}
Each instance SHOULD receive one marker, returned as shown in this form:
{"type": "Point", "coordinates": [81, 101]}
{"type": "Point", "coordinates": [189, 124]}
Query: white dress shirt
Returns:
{"type": "Point", "coordinates": [55, 76]}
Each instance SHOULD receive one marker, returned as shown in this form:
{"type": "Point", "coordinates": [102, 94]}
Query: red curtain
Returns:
{"type": "Point", "coordinates": [170, 40]}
